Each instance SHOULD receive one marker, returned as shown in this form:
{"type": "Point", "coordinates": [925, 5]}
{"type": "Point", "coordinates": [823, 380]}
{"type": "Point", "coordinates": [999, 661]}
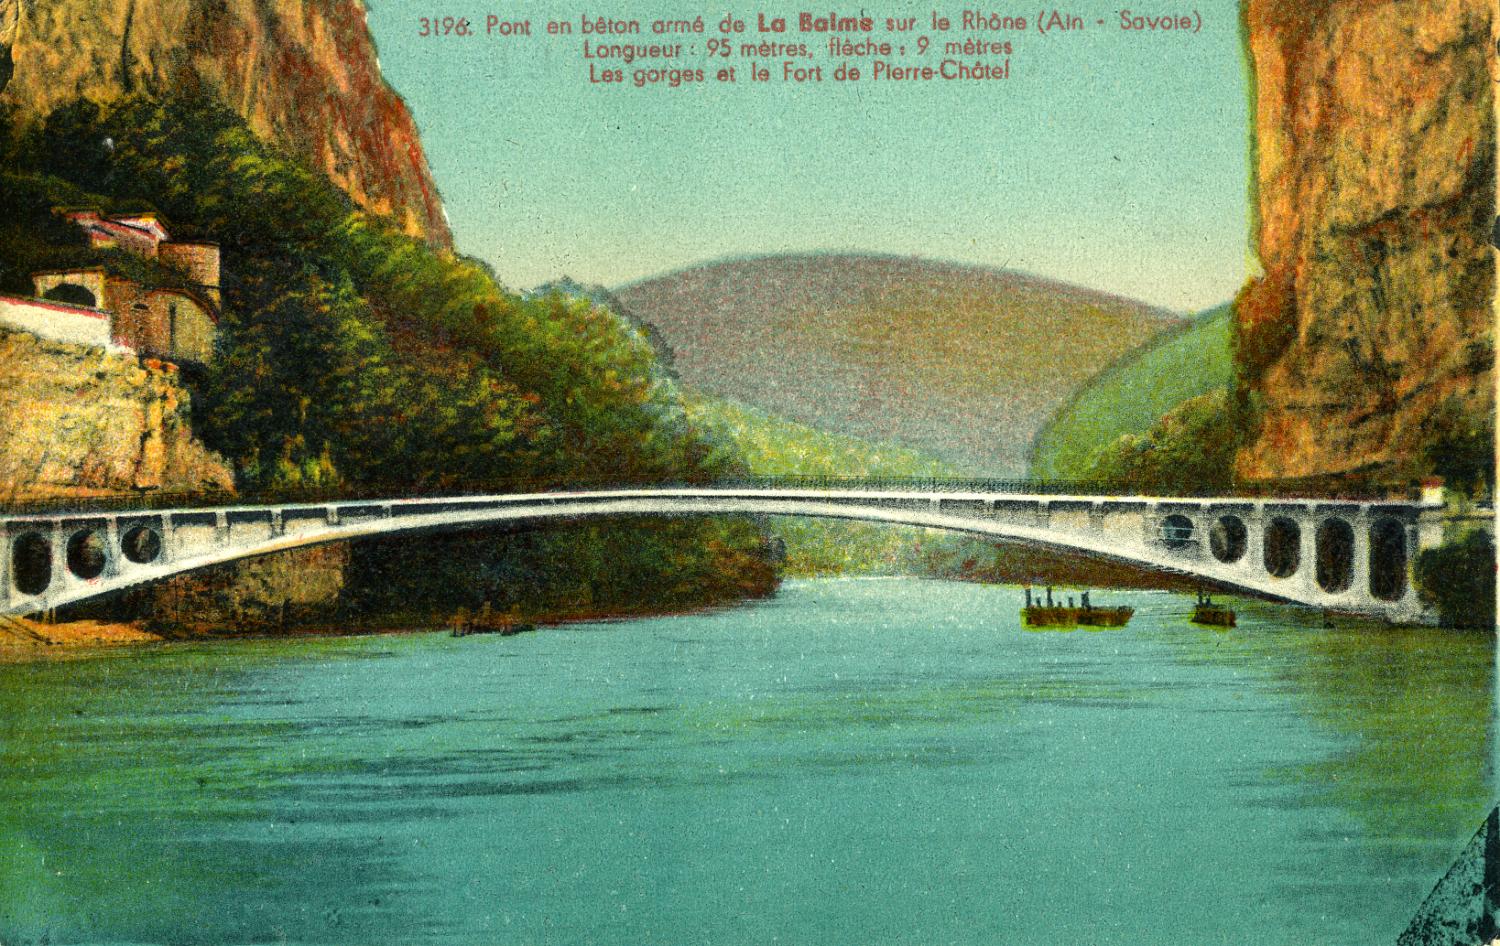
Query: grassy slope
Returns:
{"type": "Point", "coordinates": [1130, 396]}
{"type": "Point", "coordinates": [963, 363]}
{"type": "Point", "coordinates": [776, 446]}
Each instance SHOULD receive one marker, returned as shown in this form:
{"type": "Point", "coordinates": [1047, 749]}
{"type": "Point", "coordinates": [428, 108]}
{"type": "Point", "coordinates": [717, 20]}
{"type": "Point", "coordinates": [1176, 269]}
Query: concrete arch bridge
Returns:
{"type": "Point", "coordinates": [1346, 555]}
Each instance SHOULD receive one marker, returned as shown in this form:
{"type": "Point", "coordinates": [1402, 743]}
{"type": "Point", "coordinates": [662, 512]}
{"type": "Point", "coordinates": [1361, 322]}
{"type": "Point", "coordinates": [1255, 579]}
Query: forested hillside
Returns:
{"type": "Point", "coordinates": [1131, 395]}
{"type": "Point", "coordinates": [356, 358]}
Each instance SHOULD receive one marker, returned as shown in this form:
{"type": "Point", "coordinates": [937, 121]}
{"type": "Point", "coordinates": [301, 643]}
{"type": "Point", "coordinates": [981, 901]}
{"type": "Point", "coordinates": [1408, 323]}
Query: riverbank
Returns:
{"type": "Point", "coordinates": [23, 640]}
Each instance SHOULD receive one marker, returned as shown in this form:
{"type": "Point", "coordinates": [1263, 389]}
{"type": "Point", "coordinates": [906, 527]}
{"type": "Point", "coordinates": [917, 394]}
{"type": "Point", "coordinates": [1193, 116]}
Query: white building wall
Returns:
{"type": "Point", "coordinates": [58, 322]}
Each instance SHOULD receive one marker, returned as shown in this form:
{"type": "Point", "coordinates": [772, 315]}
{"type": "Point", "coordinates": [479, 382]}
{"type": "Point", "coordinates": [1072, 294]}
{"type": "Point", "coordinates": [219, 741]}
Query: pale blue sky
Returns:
{"type": "Point", "coordinates": [1113, 160]}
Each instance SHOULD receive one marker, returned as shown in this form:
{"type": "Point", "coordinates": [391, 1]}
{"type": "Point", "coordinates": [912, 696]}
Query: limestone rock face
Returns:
{"type": "Point", "coordinates": [75, 421]}
{"type": "Point", "coordinates": [301, 72]}
{"type": "Point", "coordinates": [1376, 173]}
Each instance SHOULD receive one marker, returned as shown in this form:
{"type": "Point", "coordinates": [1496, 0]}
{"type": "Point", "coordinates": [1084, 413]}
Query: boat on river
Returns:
{"type": "Point", "coordinates": [1213, 615]}
{"type": "Point", "coordinates": [1046, 613]}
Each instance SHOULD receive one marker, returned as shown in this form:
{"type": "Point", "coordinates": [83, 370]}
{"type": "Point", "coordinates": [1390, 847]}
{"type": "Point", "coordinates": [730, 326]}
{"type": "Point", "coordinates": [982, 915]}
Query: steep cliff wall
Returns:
{"type": "Point", "coordinates": [302, 72]}
{"type": "Point", "coordinates": [1376, 172]}
{"type": "Point", "coordinates": [75, 421]}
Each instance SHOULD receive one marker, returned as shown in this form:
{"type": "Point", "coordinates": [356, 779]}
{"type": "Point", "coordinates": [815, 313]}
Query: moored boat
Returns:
{"type": "Point", "coordinates": [1213, 615]}
{"type": "Point", "coordinates": [1047, 614]}
{"type": "Point", "coordinates": [1106, 617]}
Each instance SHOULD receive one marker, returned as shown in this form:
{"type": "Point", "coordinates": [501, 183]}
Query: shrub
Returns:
{"type": "Point", "coordinates": [1458, 579]}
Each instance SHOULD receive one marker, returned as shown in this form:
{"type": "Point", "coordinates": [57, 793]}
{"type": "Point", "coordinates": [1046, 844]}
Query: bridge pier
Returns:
{"type": "Point", "coordinates": [1307, 553]}
{"type": "Point", "coordinates": [1361, 579]}
{"type": "Point", "coordinates": [7, 582]}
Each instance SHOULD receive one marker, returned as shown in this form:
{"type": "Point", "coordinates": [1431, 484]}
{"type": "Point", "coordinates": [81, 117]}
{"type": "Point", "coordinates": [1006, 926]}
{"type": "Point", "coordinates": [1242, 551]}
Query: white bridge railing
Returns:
{"type": "Point", "coordinates": [1348, 554]}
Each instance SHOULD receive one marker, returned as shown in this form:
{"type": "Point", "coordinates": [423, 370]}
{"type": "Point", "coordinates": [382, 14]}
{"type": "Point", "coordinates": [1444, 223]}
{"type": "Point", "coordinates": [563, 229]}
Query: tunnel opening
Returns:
{"type": "Point", "coordinates": [1283, 547]}
{"type": "Point", "coordinates": [141, 545]}
{"type": "Point", "coordinates": [1388, 560]}
{"type": "Point", "coordinates": [31, 563]}
{"type": "Point", "coordinates": [1227, 539]}
{"type": "Point", "coordinates": [86, 554]}
{"type": "Point", "coordinates": [1335, 539]}
{"type": "Point", "coordinates": [72, 294]}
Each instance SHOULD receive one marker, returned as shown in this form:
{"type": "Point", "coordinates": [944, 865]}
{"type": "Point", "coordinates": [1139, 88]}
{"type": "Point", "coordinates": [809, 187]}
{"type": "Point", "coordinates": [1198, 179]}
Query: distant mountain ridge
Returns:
{"type": "Point", "coordinates": [960, 361]}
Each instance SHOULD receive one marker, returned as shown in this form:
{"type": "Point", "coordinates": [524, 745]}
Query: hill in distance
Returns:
{"type": "Point", "coordinates": [962, 362]}
{"type": "Point", "coordinates": [1130, 396]}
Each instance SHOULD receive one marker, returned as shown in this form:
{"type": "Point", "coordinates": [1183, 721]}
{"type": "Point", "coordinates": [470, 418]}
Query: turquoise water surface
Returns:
{"type": "Point", "coordinates": [851, 762]}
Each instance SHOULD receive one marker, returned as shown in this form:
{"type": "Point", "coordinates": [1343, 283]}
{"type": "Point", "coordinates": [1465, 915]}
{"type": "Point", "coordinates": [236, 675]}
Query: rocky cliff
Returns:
{"type": "Point", "coordinates": [302, 72]}
{"type": "Point", "coordinates": [75, 421]}
{"type": "Point", "coordinates": [1376, 190]}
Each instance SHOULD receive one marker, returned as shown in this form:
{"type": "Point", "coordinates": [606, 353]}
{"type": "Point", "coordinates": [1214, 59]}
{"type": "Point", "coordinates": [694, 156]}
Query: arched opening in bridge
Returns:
{"type": "Point", "coordinates": [31, 563]}
{"type": "Point", "coordinates": [1177, 531]}
{"type": "Point", "coordinates": [1283, 547]}
{"type": "Point", "coordinates": [1335, 555]}
{"type": "Point", "coordinates": [1388, 560]}
{"type": "Point", "coordinates": [141, 544]}
{"type": "Point", "coordinates": [86, 554]}
{"type": "Point", "coordinates": [1227, 539]}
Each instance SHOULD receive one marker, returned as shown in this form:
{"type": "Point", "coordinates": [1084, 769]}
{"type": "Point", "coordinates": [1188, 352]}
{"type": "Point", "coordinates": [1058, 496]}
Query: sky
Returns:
{"type": "Point", "coordinates": [1115, 160]}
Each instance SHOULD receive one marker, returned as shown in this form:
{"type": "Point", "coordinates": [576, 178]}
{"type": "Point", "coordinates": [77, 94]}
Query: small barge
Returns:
{"type": "Point", "coordinates": [1046, 613]}
{"type": "Point", "coordinates": [1213, 615]}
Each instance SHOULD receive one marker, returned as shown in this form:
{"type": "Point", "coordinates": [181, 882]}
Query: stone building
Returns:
{"type": "Point", "coordinates": [92, 306]}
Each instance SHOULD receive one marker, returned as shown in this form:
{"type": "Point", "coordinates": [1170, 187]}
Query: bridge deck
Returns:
{"type": "Point", "coordinates": [1271, 546]}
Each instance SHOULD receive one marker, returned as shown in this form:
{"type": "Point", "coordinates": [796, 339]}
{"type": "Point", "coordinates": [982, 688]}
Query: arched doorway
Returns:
{"type": "Point", "coordinates": [71, 294]}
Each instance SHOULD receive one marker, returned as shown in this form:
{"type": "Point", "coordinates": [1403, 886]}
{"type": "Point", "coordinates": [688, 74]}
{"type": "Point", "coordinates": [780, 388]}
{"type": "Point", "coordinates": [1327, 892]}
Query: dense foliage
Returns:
{"type": "Point", "coordinates": [354, 357]}
{"type": "Point", "coordinates": [1458, 579]}
{"type": "Point", "coordinates": [1190, 451]}
{"type": "Point", "coordinates": [1462, 449]}
{"type": "Point", "coordinates": [775, 446]}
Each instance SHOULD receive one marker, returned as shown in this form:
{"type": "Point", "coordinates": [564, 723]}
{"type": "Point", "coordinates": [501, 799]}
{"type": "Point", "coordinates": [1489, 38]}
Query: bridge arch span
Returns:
{"type": "Point", "coordinates": [1167, 535]}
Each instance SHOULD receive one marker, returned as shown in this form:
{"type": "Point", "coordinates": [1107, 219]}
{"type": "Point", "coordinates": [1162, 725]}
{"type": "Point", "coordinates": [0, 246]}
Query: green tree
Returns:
{"type": "Point", "coordinates": [1458, 579]}
{"type": "Point", "coordinates": [352, 356]}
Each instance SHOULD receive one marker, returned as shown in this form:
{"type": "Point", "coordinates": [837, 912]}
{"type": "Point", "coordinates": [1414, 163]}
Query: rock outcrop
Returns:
{"type": "Point", "coordinates": [301, 72]}
{"type": "Point", "coordinates": [76, 421]}
{"type": "Point", "coordinates": [1376, 173]}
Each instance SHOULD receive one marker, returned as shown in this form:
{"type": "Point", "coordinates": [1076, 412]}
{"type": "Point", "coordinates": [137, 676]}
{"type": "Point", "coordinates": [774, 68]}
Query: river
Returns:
{"type": "Point", "coordinates": [849, 762]}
